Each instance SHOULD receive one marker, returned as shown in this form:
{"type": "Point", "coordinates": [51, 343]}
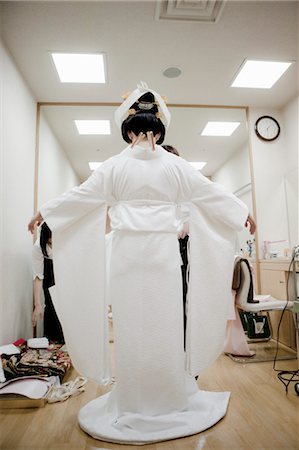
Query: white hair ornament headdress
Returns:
{"type": "Point", "coordinates": [124, 110]}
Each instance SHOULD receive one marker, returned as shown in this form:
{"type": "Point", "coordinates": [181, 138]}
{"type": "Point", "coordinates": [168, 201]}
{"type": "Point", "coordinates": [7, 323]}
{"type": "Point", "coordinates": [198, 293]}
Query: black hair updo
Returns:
{"type": "Point", "coordinates": [144, 119]}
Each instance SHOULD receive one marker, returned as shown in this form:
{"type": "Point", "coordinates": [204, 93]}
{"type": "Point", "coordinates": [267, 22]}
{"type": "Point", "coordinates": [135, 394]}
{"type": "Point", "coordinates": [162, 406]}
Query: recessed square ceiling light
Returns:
{"type": "Point", "coordinates": [80, 67]}
{"type": "Point", "coordinates": [93, 126]}
{"type": "Point", "coordinates": [260, 74]}
{"type": "Point", "coordinates": [94, 165]}
{"type": "Point", "coordinates": [198, 165]}
{"type": "Point", "coordinates": [219, 128]}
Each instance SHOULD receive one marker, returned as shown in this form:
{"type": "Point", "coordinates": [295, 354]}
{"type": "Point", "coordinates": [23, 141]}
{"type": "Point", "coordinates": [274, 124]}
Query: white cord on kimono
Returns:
{"type": "Point", "coordinates": [66, 390]}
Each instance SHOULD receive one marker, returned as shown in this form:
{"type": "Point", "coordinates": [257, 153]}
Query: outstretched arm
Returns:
{"type": "Point", "coordinates": [79, 201]}
{"type": "Point", "coordinates": [214, 200]}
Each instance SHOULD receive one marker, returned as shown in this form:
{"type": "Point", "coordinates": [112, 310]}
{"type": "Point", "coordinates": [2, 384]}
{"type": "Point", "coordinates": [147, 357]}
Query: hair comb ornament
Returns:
{"type": "Point", "coordinates": [126, 95]}
{"type": "Point", "coordinates": [146, 106]}
{"type": "Point", "coordinates": [122, 111]}
{"type": "Point", "coordinates": [141, 136]}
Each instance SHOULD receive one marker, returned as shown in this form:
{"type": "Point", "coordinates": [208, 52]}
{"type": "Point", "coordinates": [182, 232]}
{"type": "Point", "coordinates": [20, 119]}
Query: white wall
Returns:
{"type": "Point", "coordinates": [17, 160]}
{"type": "Point", "coordinates": [56, 174]}
{"type": "Point", "coordinates": [235, 176]}
{"type": "Point", "coordinates": [272, 166]}
{"type": "Point", "coordinates": [235, 173]}
{"type": "Point", "coordinates": [17, 126]}
{"type": "Point", "coordinates": [291, 125]}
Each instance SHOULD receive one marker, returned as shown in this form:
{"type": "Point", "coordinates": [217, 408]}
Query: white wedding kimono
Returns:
{"type": "Point", "coordinates": [155, 396]}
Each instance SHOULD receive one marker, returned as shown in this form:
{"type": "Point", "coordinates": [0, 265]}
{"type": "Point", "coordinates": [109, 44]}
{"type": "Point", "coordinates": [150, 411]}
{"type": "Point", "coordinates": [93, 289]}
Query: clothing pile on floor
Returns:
{"type": "Point", "coordinates": [51, 361]}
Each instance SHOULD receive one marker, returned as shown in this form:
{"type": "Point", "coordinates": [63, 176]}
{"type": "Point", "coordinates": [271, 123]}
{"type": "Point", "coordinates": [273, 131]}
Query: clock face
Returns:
{"type": "Point", "coordinates": [267, 128]}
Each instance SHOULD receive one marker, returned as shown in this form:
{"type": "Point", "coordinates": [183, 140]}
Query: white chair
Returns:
{"type": "Point", "coordinates": [266, 303]}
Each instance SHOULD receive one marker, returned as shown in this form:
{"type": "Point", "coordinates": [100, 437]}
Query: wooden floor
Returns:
{"type": "Point", "coordinates": [260, 416]}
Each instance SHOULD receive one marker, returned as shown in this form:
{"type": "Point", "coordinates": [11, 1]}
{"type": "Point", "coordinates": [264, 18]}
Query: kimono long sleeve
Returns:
{"type": "Point", "coordinates": [78, 220]}
{"type": "Point", "coordinates": [215, 216]}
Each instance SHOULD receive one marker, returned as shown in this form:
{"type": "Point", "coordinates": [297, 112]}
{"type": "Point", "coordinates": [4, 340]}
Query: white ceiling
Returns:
{"type": "Point", "coordinates": [139, 47]}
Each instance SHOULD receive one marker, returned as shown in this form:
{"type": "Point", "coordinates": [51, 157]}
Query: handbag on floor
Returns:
{"type": "Point", "coordinates": [256, 326]}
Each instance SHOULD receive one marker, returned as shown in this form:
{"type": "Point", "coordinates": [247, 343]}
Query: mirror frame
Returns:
{"type": "Point", "coordinates": [39, 105]}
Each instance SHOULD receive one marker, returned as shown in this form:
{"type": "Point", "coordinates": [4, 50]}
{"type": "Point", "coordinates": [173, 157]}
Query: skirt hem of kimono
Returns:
{"type": "Point", "coordinates": [102, 422]}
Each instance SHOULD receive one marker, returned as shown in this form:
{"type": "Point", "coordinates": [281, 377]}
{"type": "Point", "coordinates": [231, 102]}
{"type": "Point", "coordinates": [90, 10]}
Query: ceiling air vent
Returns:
{"type": "Point", "coordinates": [207, 11]}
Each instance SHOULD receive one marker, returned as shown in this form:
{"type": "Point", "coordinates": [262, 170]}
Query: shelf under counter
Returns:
{"type": "Point", "coordinates": [276, 275]}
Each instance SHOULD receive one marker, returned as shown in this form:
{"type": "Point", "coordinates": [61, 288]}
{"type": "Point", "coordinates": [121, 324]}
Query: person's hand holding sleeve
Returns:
{"type": "Point", "coordinates": [250, 223]}
{"type": "Point", "coordinates": [36, 219]}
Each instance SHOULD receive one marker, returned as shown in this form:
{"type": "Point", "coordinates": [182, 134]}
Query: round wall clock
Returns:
{"type": "Point", "coordinates": [267, 128]}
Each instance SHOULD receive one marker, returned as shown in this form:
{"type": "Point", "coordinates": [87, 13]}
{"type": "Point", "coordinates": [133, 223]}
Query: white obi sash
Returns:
{"type": "Point", "coordinates": [145, 215]}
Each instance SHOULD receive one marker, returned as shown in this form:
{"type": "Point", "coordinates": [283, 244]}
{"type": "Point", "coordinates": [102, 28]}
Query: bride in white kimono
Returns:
{"type": "Point", "coordinates": [155, 396]}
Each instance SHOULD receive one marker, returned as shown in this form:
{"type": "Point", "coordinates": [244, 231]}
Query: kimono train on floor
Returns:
{"type": "Point", "coordinates": [155, 396]}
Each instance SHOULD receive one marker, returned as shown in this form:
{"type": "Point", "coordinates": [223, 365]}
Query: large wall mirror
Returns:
{"type": "Point", "coordinates": [64, 154]}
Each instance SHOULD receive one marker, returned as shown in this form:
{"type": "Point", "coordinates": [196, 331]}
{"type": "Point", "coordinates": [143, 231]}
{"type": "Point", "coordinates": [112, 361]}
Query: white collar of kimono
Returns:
{"type": "Point", "coordinates": [143, 150]}
{"type": "Point", "coordinates": [122, 112]}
